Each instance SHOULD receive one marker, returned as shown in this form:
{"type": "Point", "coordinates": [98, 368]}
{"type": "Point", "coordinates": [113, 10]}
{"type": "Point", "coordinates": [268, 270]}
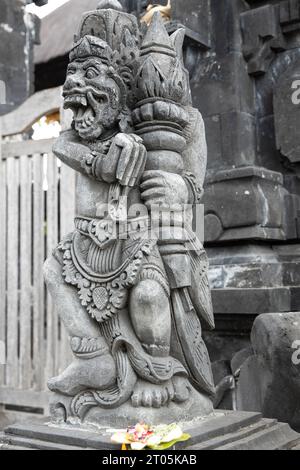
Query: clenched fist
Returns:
{"type": "Point", "coordinates": [163, 188]}
{"type": "Point", "coordinates": [125, 160]}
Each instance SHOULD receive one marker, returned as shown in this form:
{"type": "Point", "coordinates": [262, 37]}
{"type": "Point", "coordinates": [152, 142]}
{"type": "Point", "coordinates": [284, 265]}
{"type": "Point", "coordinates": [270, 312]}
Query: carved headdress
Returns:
{"type": "Point", "coordinates": [113, 36]}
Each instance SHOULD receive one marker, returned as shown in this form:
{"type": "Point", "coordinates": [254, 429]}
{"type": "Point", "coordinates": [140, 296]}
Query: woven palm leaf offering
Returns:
{"type": "Point", "coordinates": [142, 436]}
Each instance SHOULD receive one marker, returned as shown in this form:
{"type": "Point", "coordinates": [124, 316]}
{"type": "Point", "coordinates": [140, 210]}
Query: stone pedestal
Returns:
{"type": "Point", "coordinates": [221, 431]}
{"type": "Point", "coordinates": [197, 406]}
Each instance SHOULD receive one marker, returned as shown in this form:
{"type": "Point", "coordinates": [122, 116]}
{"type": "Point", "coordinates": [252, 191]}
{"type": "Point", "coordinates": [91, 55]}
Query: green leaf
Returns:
{"type": "Point", "coordinates": [167, 445]}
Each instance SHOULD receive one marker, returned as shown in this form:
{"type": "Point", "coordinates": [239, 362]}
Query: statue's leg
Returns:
{"type": "Point", "coordinates": [93, 366]}
{"type": "Point", "coordinates": [151, 318]}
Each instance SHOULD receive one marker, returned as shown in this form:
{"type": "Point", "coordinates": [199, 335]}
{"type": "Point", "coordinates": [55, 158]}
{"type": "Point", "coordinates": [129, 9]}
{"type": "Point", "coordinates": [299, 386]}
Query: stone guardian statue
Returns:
{"type": "Point", "coordinates": [131, 297]}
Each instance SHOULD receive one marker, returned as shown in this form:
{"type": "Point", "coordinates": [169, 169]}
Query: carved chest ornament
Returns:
{"type": "Point", "coordinates": [102, 293]}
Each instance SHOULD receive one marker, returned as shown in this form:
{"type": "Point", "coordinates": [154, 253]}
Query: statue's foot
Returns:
{"type": "Point", "coordinates": [152, 395]}
{"type": "Point", "coordinates": [182, 388]}
{"type": "Point", "coordinates": [97, 373]}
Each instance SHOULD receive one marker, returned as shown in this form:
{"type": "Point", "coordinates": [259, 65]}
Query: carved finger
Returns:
{"type": "Point", "coordinates": [153, 193]}
{"type": "Point", "coordinates": [129, 171]}
{"type": "Point", "coordinates": [171, 391]}
{"type": "Point", "coordinates": [136, 138]}
{"type": "Point", "coordinates": [152, 182]}
{"type": "Point", "coordinates": [140, 165]}
{"type": "Point", "coordinates": [158, 202]}
{"type": "Point", "coordinates": [164, 396]}
{"type": "Point", "coordinates": [109, 163]}
{"type": "Point", "coordinates": [152, 174]}
{"type": "Point", "coordinates": [124, 160]}
{"type": "Point", "coordinates": [135, 400]}
{"type": "Point", "coordinates": [156, 399]}
{"type": "Point", "coordinates": [147, 398]}
{"type": "Point", "coordinates": [122, 139]}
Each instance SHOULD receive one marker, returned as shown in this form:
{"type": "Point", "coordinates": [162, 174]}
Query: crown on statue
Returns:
{"type": "Point", "coordinates": [113, 36]}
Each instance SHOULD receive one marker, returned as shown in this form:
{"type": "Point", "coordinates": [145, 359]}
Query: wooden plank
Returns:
{"type": "Point", "coordinates": [26, 147]}
{"type": "Point", "coordinates": [11, 396]}
{"type": "Point", "coordinates": [52, 240]}
{"type": "Point", "coordinates": [67, 213]}
{"type": "Point", "coordinates": [25, 272]}
{"type": "Point", "coordinates": [39, 355]}
{"type": "Point", "coordinates": [40, 104]}
{"type": "Point", "coordinates": [67, 200]}
{"type": "Point", "coordinates": [12, 271]}
{"type": "Point", "coordinates": [3, 227]}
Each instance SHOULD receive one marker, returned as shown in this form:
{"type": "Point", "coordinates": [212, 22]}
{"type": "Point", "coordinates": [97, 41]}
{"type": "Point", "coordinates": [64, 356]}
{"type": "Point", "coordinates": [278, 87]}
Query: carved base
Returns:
{"type": "Point", "coordinates": [197, 406]}
{"type": "Point", "coordinates": [224, 430]}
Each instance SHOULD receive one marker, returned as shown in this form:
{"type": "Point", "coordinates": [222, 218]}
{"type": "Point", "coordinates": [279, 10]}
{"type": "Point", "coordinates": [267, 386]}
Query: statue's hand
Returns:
{"type": "Point", "coordinates": [125, 161]}
{"type": "Point", "coordinates": [163, 188]}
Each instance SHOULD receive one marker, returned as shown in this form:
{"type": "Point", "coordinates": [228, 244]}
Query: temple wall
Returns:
{"type": "Point", "coordinates": [244, 59]}
{"type": "Point", "coordinates": [18, 32]}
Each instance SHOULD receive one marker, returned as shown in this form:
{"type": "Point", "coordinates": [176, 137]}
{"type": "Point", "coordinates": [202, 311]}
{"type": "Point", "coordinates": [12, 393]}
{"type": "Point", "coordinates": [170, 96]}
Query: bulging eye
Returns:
{"type": "Point", "coordinates": [71, 71]}
{"type": "Point", "coordinates": [91, 73]}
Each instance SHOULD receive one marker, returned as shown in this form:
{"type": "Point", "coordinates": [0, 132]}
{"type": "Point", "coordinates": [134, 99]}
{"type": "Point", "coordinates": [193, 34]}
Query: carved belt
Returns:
{"type": "Point", "coordinates": [102, 294]}
{"type": "Point", "coordinates": [105, 231]}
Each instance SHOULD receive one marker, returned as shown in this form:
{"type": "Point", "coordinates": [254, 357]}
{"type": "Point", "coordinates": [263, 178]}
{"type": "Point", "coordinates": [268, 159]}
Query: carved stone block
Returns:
{"type": "Point", "coordinates": [262, 37]}
{"type": "Point", "coordinates": [287, 113]}
{"type": "Point", "coordinates": [272, 373]}
{"type": "Point", "coordinates": [239, 189]}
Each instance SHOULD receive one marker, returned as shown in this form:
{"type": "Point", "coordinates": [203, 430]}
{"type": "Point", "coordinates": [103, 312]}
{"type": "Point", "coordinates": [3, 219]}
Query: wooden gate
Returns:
{"type": "Point", "coordinates": [36, 210]}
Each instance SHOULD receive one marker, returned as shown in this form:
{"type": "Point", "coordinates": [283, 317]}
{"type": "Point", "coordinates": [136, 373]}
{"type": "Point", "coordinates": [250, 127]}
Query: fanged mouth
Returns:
{"type": "Point", "coordinates": [84, 114]}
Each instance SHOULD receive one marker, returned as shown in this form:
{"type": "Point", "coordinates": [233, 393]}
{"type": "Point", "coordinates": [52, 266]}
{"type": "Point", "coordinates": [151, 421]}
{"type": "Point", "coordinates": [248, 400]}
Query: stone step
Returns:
{"type": "Point", "coordinates": [232, 430]}
{"type": "Point", "coordinates": [222, 423]}
{"type": "Point", "coordinates": [63, 436]}
{"type": "Point", "coordinates": [23, 443]}
{"type": "Point", "coordinates": [4, 446]}
{"type": "Point", "coordinates": [244, 432]}
{"type": "Point", "coordinates": [278, 437]}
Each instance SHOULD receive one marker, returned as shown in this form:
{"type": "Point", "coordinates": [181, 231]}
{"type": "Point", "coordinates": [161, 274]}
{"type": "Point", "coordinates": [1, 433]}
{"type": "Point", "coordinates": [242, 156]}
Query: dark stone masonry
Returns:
{"type": "Point", "coordinates": [18, 33]}
{"type": "Point", "coordinates": [244, 74]}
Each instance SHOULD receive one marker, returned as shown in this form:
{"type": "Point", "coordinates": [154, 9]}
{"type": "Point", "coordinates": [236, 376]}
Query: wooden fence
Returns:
{"type": "Point", "coordinates": [36, 210]}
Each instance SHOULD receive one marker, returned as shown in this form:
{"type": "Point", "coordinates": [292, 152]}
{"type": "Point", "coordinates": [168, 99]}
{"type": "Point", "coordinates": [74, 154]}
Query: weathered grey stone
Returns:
{"type": "Point", "coordinates": [239, 188]}
{"type": "Point", "coordinates": [223, 85]}
{"type": "Point", "coordinates": [269, 156]}
{"type": "Point", "coordinates": [227, 31]}
{"type": "Point", "coordinates": [18, 33]}
{"type": "Point", "coordinates": [198, 23]}
{"type": "Point", "coordinates": [269, 380]}
{"type": "Point", "coordinates": [251, 301]}
{"type": "Point", "coordinates": [286, 113]}
{"type": "Point", "coordinates": [224, 383]}
{"type": "Point", "coordinates": [236, 430]}
{"type": "Point", "coordinates": [242, 84]}
{"type": "Point", "coordinates": [238, 359]}
{"type": "Point", "coordinates": [132, 305]}
{"type": "Point", "coordinates": [262, 37]}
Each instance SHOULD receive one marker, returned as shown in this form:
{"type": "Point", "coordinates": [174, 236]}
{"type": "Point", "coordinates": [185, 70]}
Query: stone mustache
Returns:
{"type": "Point", "coordinates": [132, 305]}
